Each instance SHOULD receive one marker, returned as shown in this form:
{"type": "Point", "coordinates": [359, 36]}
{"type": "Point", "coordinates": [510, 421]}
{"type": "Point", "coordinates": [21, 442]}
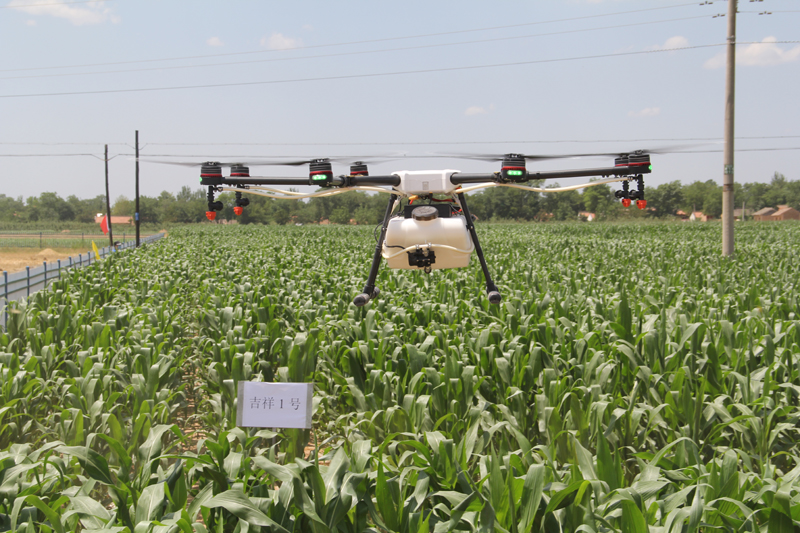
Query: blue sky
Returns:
{"type": "Point", "coordinates": [632, 96]}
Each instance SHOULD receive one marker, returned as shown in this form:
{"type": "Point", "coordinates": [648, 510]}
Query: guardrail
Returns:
{"type": "Point", "coordinates": [19, 285]}
{"type": "Point", "coordinates": [51, 239]}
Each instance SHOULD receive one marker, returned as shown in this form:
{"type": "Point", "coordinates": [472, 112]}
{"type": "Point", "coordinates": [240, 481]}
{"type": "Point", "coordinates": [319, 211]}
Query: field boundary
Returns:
{"type": "Point", "coordinates": [53, 238]}
{"type": "Point", "coordinates": [19, 285]}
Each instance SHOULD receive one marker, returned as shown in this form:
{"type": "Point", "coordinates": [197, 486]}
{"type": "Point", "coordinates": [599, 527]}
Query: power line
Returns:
{"type": "Point", "coordinates": [373, 75]}
{"type": "Point", "coordinates": [208, 157]}
{"type": "Point", "coordinates": [348, 43]}
{"type": "Point", "coordinates": [360, 52]}
{"type": "Point", "coordinates": [431, 156]}
{"type": "Point", "coordinates": [549, 141]}
{"type": "Point", "coordinates": [416, 143]}
{"type": "Point", "coordinates": [382, 74]}
{"type": "Point", "coordinates": [21, 6]}
{"type": "Point", "coordinates": [60, 144]}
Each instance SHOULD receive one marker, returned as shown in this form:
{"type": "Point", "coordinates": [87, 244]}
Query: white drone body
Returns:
{"type": "Point", "coordinates": [434, 241]}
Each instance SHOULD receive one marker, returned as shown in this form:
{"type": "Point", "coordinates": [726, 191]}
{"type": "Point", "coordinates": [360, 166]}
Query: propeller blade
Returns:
{"type": "Point", "coordinates": [545, 157]}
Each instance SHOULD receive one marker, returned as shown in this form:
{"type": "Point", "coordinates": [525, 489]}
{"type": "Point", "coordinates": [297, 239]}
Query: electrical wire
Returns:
{"type": "Point", "coordinates": [300, 196]}
{"type": "Point", "coordinates": [774, 149]}
{"type": "Point", "coordinates": [21, 6]}
{"type": "Point", "coordinates": [784, 149]}
{"type": "Point", "coordinates": [380, 74]}
{"type": "Point", "coordinates": [59, 144]}
{"type": "Point", "coordinates": [360, 52]}
{"type": "Point", "coordinates": [368, 41]}
{"type": "Point", "coordinates": [418, 143]}
{"type": "Point", "coordinates": [429, 246]}
{"type": "Point", "coordinates": [543, 190]}
{"type": "Point", "coordinates": [295, 193]}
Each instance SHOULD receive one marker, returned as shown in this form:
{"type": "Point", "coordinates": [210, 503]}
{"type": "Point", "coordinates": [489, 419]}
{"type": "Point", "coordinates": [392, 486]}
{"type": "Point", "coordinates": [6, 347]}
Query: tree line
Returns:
{"type": "Point", "coordinates": [494, 204]}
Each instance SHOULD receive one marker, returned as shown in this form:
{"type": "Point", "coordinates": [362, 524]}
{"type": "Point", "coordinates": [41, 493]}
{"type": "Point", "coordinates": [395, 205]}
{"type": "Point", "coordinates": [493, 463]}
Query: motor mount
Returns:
{"type": "Point", "coordinates": [211, 173]}
{"type": "Point", "coordinates": [513, 168]}
{"type": "Point", "coordinates": [320, 172]}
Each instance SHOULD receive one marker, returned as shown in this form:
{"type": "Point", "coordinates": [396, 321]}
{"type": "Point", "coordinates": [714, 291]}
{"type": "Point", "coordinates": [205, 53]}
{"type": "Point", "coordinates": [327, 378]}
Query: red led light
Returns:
{"type": "Point", "coordinates": [238, 210]}
{"type": "Point", "coordinates": [211, 215]}
{"type": "Point", "coordinates": [626, 202]}
{"type": "Point", "coordinates": [641, 204]}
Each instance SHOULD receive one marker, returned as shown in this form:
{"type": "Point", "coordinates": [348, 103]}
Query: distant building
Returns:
{"type": "Point", "coordinates": [763, 214]}
{"type": "Point", "coordinates": [785, 212]}
{"type": "Point", "coordinates": [698, 215]}
{"type": "Point", "coordinates": [115, 220]}
{"type": "Point", "coordinates": [587, 215]}
{"type": "Point", "coordinates": [782, 212]}
{"type": "Point", "coordinates": [737, 213]}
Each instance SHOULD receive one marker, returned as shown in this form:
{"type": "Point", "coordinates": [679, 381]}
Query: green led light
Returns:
{"type": "Point", "coordinates": [650, 167]}
{"type": "Point", "coordinates": [320, 177]}
{"type": "Point", "coordinates": [514, 173]}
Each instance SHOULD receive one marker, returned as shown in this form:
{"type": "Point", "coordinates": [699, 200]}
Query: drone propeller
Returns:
{"type": "Point", "coordinates": [501, 157]}
{"type": "Point", "coordinates": [280, 162]}
{"type": "Point", "coordinates": [542, 157]}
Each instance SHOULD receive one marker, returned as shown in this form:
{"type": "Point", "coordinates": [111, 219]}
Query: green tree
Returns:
{"type": "Point", "coordinates": [666, 199]}
{"type": "Point", "coordinates": [122, 207]}
{"type": "Point", "coordinates": [599, 199]}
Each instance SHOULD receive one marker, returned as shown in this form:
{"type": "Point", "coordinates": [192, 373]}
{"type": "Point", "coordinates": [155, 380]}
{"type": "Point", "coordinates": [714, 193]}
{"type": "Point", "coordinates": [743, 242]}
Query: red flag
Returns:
{"type": "Point", "coordinates": [104, 225]}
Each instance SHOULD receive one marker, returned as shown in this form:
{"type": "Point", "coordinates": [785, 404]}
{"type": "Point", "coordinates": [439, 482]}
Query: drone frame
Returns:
{"type": "Point", "coordinates": [628, 167]}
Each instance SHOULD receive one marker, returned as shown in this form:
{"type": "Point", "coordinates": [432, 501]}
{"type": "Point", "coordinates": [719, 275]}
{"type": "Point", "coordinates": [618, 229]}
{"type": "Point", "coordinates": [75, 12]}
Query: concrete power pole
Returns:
{"type": "Point", "coordinates": [108, 208]}
{"type": "Point", "coordinates": [136, 212]}
{"type": "Point", "coordinates": [727, 178]}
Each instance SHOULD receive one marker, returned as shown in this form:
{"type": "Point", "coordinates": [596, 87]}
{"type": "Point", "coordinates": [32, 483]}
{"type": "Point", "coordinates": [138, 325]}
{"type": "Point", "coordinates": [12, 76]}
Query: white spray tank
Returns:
{"type": "Point", "coordinates": [433, 238]}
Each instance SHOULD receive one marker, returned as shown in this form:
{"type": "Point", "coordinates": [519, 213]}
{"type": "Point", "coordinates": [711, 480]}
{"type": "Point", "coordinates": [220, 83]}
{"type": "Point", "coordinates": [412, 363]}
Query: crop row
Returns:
{"type": "Point", "coordinates": [631, 380]}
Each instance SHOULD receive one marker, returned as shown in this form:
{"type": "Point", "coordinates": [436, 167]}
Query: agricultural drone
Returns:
{"type": "Point", "coordinates": [435, 230]}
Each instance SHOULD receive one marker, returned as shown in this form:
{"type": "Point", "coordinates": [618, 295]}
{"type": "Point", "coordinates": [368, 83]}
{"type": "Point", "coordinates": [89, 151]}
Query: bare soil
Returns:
{"type": "Point", "coordinates": [16, 259]}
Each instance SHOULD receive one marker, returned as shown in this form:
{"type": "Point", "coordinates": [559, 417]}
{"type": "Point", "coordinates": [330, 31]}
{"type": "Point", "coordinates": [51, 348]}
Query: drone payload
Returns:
{"type": "Point", "coordinates": [435, 230]}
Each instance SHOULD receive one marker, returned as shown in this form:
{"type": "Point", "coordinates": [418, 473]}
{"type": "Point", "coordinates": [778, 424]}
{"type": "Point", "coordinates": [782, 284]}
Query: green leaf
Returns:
{"type": "Point", "coordinates": [632, 519]}
{"type": "Point", "coordinates": [235, 502]}
{"type": "Point", "coordinates": [149, 504]}
{"type": "Point", "coordinates": [95, 464]}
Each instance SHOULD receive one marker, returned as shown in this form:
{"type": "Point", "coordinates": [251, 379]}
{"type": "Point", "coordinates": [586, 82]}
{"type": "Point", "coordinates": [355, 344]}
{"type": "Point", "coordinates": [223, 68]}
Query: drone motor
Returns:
{"type": "Point", "coordinates": [513, 169]}
{"type": "Point", "coordinates": [320, 172]}
{"type": "Point", "coordinates": [211, 173]}
{"type": "Point", "coordinates": [359, 168]}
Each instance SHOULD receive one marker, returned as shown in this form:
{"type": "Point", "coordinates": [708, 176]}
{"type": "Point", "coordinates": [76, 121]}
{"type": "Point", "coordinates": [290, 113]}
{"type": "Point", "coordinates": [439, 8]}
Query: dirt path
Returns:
{"type": "Point", "coordinates": [14, 260]}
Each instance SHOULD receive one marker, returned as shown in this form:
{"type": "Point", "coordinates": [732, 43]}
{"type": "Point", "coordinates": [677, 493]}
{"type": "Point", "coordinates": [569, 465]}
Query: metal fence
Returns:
{"type": "Point", "coordinates": [51, 239]}
{"type": "Point", "coordinates": [19, 285]}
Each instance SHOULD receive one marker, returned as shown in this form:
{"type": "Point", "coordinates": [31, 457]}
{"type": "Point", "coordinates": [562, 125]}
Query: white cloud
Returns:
{"type": "Point", "coordinates": [215, 41]}
{"type": "Point", "coordinates": [278, 41]}
{"type": "Point", "coordinates": [646, 112]}
{"type": "Point", "coordinates": [478, 110]}
{"type": "Point", "coordinates": [758, 55]}
{"type": "Point", "coordinates": [89, 13]}
{"type": "Point", "coordinates": [31, 22]}
{"type": "Point", "coordinates": [678, 41]}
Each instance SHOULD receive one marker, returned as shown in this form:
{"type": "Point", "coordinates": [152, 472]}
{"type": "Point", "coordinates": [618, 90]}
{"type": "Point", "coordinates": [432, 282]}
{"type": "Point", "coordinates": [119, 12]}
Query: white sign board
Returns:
{"type": "Point", "coordinates": [274, 405]}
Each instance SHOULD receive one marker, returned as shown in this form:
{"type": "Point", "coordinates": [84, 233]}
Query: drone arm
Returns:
{"type": "Point", "coordinates": [628, 170]}
{"type": "Point", "coordinates": [274, 181]}
{"type": "Point", "coordinates": [392, 181]}
{"type": "Point", "coordinates": [588, 172]}
{"type": "Point", "coordinates": [463, 179]}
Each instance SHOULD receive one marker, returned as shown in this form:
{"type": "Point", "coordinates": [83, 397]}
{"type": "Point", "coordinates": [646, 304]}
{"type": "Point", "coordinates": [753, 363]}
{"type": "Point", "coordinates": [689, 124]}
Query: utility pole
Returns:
{"type": "Point", "coordinates": [727, 177]}
{"type": "Point", "coordinates": [136, 214]}
{"type": "Point", "coordinates": [108, 207]}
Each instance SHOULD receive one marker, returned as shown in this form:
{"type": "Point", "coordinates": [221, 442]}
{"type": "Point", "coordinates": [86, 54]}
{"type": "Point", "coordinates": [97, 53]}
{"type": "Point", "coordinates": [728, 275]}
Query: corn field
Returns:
{"type": "Point", "coordinates": [632, 380]}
